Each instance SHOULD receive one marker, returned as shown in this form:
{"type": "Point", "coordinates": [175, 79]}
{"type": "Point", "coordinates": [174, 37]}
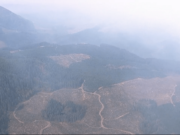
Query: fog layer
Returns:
{"type": "Point", "coordinates": [152, 26]}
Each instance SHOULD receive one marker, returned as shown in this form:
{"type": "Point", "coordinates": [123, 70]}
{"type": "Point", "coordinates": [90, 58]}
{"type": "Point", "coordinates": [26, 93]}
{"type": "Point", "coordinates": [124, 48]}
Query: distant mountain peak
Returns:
{"type": "Point", "coordinates": [10, 20]}
{"type": "Point", "coordinates": [15, 31]}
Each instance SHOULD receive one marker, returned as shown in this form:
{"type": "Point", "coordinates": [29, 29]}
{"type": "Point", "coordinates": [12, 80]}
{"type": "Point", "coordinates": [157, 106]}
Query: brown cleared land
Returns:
{"type": "Point", "coordinates": [67, 60]}
{"type": "Point", "coordinates": [109, 110]}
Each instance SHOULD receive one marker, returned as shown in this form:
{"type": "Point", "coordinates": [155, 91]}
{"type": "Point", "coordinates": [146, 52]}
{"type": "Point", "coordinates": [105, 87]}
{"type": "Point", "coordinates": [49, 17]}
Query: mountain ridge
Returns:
{"type": "Point", "coordinates": [10, 20]}
{"type": "Point", "coordinates": [15, 31]}
{"type": "Point", "coordinates": [82, 88]}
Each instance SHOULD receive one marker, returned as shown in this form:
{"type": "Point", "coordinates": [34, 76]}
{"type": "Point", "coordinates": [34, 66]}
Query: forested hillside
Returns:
{"type": "Point", "coordinates": [28, 71]}
{"type": "Point", "coordinates": [16, 31]}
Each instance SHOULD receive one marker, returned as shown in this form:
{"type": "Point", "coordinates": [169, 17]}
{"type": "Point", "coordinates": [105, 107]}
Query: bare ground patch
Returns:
{"type": "Point", "coordinates": [109, 110]}
{"type": "Point", "coordinates": [67, 60]}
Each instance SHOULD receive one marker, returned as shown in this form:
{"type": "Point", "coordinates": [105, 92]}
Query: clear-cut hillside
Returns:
{"type": "Point", "coordinates": [103, 90]}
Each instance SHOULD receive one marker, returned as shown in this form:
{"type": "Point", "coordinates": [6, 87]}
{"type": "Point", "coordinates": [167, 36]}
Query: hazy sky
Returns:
{"type": "Point", "coordinates": [123, 14]}
{"type": "Point", "coordinates": [157, 22]}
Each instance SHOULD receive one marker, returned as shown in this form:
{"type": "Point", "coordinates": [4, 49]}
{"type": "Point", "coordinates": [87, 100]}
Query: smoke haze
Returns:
{"type": "Point", "coordinates": [154, 24]}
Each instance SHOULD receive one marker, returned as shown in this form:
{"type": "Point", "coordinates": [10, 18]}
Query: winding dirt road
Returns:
{"type": "Point", "coordinates": [121, 116]}
{"type": "Point", "coordinates": [102, 126]}
{"type": "Point", "coordinates": [14, 114]}
{"type": "Point", "coordinates": [102, 108]}
{"type": "Point", "coordinates": [173, 95]}
{"type": "Point", "coordinates": [48, 125]}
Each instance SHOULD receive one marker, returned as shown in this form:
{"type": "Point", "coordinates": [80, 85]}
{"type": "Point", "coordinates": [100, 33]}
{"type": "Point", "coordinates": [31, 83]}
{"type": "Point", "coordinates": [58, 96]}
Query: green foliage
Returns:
{"type": "Point", "coordinates": [70, 112]}
{"type": "Point", "coordinates": [26, 72]}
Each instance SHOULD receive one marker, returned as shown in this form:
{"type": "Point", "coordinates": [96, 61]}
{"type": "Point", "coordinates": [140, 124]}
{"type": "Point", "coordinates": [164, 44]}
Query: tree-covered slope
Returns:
{"type": "Point", "coordinates": [15, 31]}
{"type": "Point", "coordinates": [30, 70]}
